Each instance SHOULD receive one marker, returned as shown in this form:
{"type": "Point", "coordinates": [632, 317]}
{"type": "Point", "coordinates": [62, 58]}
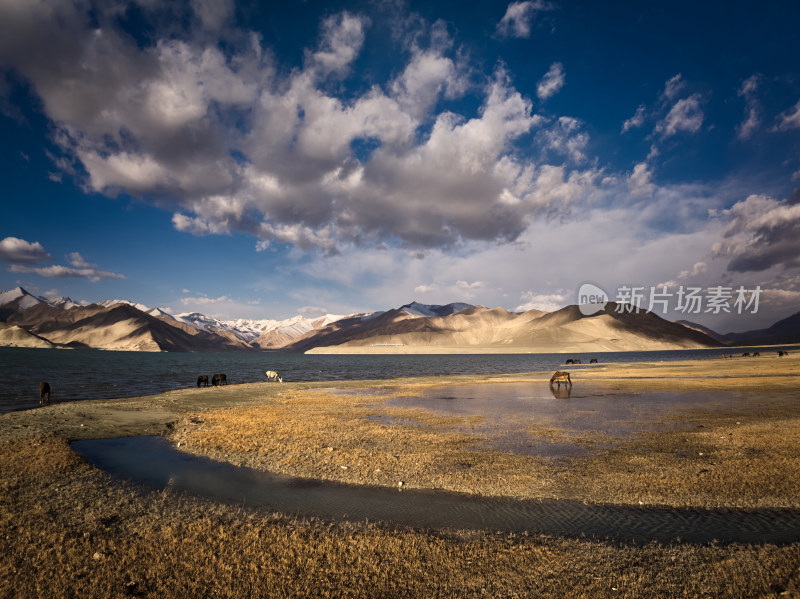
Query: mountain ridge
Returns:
{"type": "Point", "coordinates": [412, 328]}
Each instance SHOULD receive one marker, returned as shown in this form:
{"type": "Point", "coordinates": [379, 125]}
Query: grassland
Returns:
{"type": "Point", "coordinates": [67, 529]}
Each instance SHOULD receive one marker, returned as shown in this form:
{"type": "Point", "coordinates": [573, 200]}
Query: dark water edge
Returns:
{"type": "Point", "coordinates": [154, 463]}
{"type": "Point", "coordinates": [95, 374]}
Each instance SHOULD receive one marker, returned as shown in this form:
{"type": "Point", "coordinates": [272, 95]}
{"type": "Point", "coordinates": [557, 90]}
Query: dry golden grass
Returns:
{"type": "Point", "coordinates": [746, 459]}
{"type": "Point", "coordinates": [68, 531]}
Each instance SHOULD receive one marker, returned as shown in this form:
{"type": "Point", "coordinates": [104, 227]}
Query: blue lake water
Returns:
{"type": "Point", "coordinates": [92, 374]}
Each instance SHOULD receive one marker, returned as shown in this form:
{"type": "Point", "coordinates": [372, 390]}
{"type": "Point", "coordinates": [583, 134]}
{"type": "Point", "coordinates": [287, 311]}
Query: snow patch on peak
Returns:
{"type": "Point", "coordinates": [109, 302]}
{"type": "Point", "coordinates": [418, 310]}
{"type": "Point", "coordinates": [24, 299]}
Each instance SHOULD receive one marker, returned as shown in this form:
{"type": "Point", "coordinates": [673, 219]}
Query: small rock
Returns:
{"type": "Point", "coordinates": [400, 483]}
{"type": "Point", "coordinates": [343, 467]}
{"type": "Point", "coordinates": [98, 555]}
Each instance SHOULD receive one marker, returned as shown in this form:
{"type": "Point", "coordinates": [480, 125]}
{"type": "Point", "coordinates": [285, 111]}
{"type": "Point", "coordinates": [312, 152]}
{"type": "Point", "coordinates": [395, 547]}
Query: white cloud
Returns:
{"type": "Point", "coordinates": [341, 38]}
{"type": "Point", "coordinates": [637, 120]}
{"type": "Point", "coordinates": [686, 115]}
{"type": "Point", "coordinates": [93, 273]}
{"type": "Point", "coordinates": [552, 82]}
{"type": "Point", "coordinates": [752, 120]}
{"type": "Point", "coordinates": [26, 257]}
{"type": "Point", "coordinates": [547, 302]}
{"type": "Point", "coordinates": [519, 17]}
{"type": "Point", "coordinates": [205, 301]}
{"type": "Point", "coordinates": [312, 311]}
{"type": "Point", "coordinates": [673, 87]}
{"type": "Point", "coordinates": [640, 182]}
{"type": "Point", "coordinates": [789, 119]}
{"type": "Point", "coordinates": [424, 288]}
{"type": "Point", "coordinates": [19, 251]}
{"type": "Point", "coordinates": [698, 269]}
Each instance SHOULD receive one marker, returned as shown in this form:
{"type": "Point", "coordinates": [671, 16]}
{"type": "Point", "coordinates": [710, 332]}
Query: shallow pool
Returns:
{"type": "Point", "coordinates": [155, 463]}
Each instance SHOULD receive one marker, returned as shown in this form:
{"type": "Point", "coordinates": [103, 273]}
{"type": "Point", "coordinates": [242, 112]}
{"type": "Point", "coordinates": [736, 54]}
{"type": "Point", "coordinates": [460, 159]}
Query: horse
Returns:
{"type": "Point", "coordinates": [202, 380]}
{"type": "Point", "coordinates": [782, 353]}
{"type": "Point", "coordinates": [757, 355]}
{"type": "Point", "coordinates": [219, 379]}
{"type": "Point", "coordinates": [576, 361]}
{"type": "Point", "coordinates": [273, 376]}
{"type": "Point", "coordinates": [593, 361]}
{"type": "Point", "coordinates": [570, 361]}
{"type": "Point", "coordinates": [44, 393]}
{"type": "Point", "coordinates": [746, 355]}
{"type": "Point", "coordinates": [560, 376]}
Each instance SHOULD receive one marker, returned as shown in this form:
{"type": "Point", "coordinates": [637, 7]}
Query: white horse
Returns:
{"type": "Point", "coordinates": [273, 376]}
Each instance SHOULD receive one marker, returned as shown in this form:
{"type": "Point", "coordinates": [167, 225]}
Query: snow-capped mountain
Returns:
{"type": "Point", "coordinates": [20, 299]}
{"type": "Point", "coordinates": [261, 333]}
{"type": "Point", "coordinates": [417, 310]}
{"type": "Point", "coordinates": [111, 302]}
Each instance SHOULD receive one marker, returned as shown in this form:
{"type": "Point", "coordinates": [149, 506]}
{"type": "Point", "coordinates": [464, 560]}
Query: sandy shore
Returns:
{"type": "Point", "coordinates": [67, 529]}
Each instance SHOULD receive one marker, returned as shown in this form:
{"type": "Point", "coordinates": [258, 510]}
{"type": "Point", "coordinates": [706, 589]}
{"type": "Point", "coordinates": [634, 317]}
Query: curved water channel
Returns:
{"type": "Point", "coordinates": [153, 462]}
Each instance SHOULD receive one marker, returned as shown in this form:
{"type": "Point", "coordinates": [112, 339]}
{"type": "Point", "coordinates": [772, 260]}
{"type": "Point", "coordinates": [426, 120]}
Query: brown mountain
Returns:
{"type": "Point", "coordinates": [477, 329]}
{"type": "Point", "coordinates": [120, 327]}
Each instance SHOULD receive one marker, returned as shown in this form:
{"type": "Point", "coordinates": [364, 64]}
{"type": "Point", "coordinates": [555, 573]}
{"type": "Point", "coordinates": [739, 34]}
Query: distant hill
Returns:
{"type": "Point", "coordinates": [481, 329]}
{"type": "Point", "coordinates": [783, 332]}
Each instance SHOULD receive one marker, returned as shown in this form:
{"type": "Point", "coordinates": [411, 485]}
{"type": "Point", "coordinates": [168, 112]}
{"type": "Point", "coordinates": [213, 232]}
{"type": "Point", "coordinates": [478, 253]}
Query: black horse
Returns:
{"type": "Point", "coordinates": [202, 380]}
{"type": "Point", "coordinates": [44, 393]}
{"type": "Point", "coordinates": [219, 379]}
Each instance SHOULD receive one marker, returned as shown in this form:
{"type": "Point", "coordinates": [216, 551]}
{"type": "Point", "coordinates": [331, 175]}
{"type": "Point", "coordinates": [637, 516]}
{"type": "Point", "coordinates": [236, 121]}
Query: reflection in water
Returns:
{"type": "Point", "coordinates": [152, 461]}
{"type": "Point", "coordinates": [560, 392]}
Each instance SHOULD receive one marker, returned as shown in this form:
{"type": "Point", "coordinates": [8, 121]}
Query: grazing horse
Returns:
{"type": "Point", "coordinates": [593, 361]}
{"type": "Point", "coordinates": [782, 353]}
{"type": "Point", "coordinates": [44, 393]}
{"type": "Point", "coordinates": [560, 376]}
{"type": "Point", "coordinates": [746, 355]}
{"type": "Point", "coordinates": [273, 376]}
{"type": "Point", "coordinates": [576, 361]}
{"type": "Point", "coordinates": [219, 379]}
{"type": "Point", "coordinates": [757, 355]}
{"type": "Point", "coordinates": [570, 361]}
{"type": "Point", "coordinates": [202, 380]}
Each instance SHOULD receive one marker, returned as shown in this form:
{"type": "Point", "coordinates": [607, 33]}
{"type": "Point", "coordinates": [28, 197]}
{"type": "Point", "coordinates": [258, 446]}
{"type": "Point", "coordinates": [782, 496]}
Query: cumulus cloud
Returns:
{"type": "Point", "coordinates": [519, 17]}
{"type": "Point", "coordinates": [18, 251]}
{"type": "Point", "coordinates": [762, 232]}
{"type": "Point", "coordinates": [552, 82]}
{"type": "Point", "coordinates": [640, 181]}
{"type": "Point", "coordinates": [227, 140]}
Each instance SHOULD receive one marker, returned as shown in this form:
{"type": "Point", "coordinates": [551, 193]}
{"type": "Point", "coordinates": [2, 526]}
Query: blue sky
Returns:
{"type": "Point", "coordinates": [249, 159]}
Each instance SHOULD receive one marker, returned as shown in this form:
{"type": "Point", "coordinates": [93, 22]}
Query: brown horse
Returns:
{"type": "Point", "coordinates": [560, 376]}
{"type": "Point", "coordinates": [44, 393]}
{"type": "Point", "coordinates": [219, 379]}
{"type": "Point", "coordinates": [202, 380]}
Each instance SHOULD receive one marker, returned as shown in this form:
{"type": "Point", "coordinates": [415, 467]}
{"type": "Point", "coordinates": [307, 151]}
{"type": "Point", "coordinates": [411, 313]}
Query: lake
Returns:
{"type": "Point", "coordinates": [94, 374]}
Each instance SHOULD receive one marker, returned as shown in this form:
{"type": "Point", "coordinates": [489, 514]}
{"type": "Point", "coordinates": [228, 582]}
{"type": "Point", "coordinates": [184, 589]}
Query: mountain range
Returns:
{"type": "Point", "coordinates": [31, 321]}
